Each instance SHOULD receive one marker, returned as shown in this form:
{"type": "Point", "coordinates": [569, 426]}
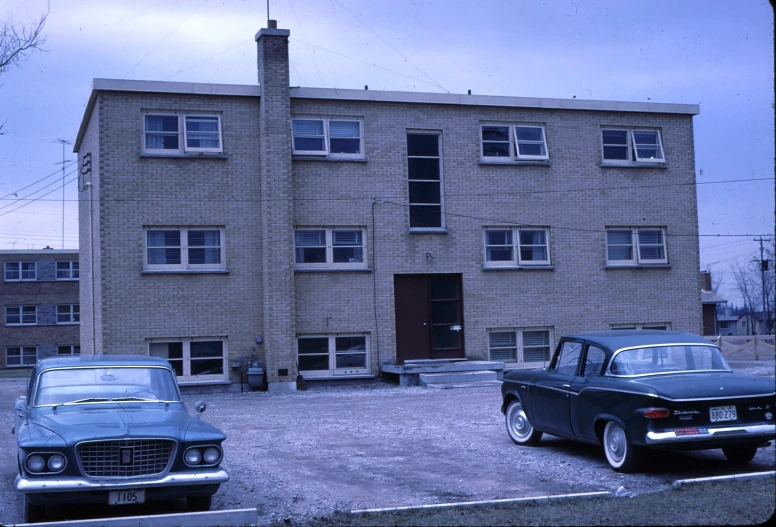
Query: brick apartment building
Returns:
{"type": "Point", "coordinates": [333, 231]}
{"type": "Point", "coordinates": [39, 298]}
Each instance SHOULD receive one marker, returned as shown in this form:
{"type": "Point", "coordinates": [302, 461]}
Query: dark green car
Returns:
{"type": "Point", "coordinates": [112, 430]}
{"type": "Point", "coordinates": [635, 390]}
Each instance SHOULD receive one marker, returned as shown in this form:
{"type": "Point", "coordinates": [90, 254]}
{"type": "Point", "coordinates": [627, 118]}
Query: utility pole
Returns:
{"type": "Point", "coordinates": [64, 142]}
{"type": "Point", "coordinates": [763, 268]}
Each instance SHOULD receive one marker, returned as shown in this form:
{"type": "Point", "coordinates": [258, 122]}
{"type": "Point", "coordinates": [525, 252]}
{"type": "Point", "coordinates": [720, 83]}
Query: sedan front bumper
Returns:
{"type": "Point", "coordinates": [684, 435]}
{"type": "Point", "coordinates": [65, 484]}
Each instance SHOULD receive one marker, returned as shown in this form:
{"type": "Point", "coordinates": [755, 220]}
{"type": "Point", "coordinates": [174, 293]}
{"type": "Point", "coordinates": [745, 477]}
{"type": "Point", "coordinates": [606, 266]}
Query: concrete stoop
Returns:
{"type": "Point", "coordinates": [447, 373]}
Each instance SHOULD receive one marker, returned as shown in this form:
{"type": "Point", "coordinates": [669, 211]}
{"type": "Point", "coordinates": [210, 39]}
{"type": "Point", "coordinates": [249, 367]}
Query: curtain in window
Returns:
{"type": "Point", "coordinates": [161, 132]}
{"type": "Point", "coordinates": [536, 346]}
{"type": "Point", "coordinates": [204, 247]}
{"type": "Point", "coordinates": [503, 346]}
{"type": "Point", "coordinates": [164, 247]}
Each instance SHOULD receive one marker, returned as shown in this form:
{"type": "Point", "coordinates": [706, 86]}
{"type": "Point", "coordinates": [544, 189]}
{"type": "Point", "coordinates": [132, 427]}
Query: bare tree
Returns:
{"type": "Point", "coordinates": [17, 41]}
{"type": "Point", "coordinates": [746, 285]}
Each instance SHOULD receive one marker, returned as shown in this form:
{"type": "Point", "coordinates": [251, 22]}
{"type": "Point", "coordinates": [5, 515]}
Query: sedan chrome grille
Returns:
{"type": "Point", "coordinates": [125, 458]}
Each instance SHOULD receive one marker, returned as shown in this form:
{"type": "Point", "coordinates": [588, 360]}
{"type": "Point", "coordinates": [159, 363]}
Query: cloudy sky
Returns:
{"type": "Point", "coordinates": [715, 53]}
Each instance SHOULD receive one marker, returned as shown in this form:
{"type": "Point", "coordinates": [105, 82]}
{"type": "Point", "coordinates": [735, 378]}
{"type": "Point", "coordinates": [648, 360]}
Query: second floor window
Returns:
{"type": "Point", "coordinates": [67, 270]}
{"type": "Point", "coordinates": [631, 146]}
{"type": "Point", "coordinates": [334, 138]}
{"type": "Point", "coordinates": [512, 247]}
{"type": "Point", "coordinates": [68, 314]}
{"type": "Point", "coordinates": [175, 134]}
{"type": "Point", "coordinates": [501, 142]}
{"type": "Point", "coordinates": [424, 171]}
{"type": "Point", "coordinates": [184, 248]}
{"type": "Point", "coordinates": [21, 315]}
{"type": "Point", "coordinates": [635, 246]}
{"type": "Point", "coordinates": [20, 271]}
{"type": "Point", "coordinates": [329, 247]}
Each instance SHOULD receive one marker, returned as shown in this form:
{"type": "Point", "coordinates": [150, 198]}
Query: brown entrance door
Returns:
{"type": "Point", "coordinates": [429, 316]}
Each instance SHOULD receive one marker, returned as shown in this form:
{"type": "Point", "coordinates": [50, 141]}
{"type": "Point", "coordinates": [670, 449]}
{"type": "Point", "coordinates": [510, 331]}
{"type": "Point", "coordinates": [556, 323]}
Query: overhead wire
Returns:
{"type": "Point", "coordinates": [58, 172]}
{"type": "Point", "coordinates": [31, 201]}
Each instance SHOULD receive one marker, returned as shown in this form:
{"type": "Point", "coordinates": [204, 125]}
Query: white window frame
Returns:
{"type": "Point", "coordinates": [20, 269]}
{"type": "Point", "coordinates": [516, 260]}
{"type": "Point", "coordinates": [333, 371]}
{"type": "Point", "coordinates": [72, 351]}
{"type": "Point", "coordinates": [23, 353]}
{"type": "Point", "coordinates": [326, 137]}
{"type": "Point", "coordinates": [329, 246]}
{"type": "Point", "coordinates": [182, 132]}
{"type": "Point", "coordinates": [186, 342]}
{"type": "Point", "coordinates": [20, 312]}
{"type": "Point", "coordinates": [631, 147]}
{"type": "Point", "coordinates": [514, 143]}
{"type": "Point", "coordinates": [184, 247]}
{"type": "Point", "coordinates": [73, 314]}
{"type": "Point", "coordinates": [72, 272]}
{"type": "Point", "coordinates": [636, 247]}
{"type": "Point", "coordinates": [519, 355]}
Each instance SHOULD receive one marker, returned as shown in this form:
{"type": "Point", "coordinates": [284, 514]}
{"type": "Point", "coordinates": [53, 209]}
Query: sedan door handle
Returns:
{"type": "Point", "coordinates": [567, 386]}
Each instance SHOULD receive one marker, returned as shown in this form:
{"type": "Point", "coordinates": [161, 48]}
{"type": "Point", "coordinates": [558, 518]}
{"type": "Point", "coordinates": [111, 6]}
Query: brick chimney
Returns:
{"type": "Point", "coordinates": [706, 280]}
{"type": "Point", "coordinates": [277, 210]}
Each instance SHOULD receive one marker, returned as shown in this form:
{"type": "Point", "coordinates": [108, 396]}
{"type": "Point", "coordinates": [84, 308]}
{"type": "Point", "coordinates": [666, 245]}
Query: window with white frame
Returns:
{"type": "Point", "coordinates": [65, 351]}
{"type": "Point", "coordinates": [522, 347]}
{"type": "Point", "coordinates": [631, 146]}
{"type": "Point", "coordinates": [333, 355]}
{"type": "Point", "coordinates": [659, 326]}
{"type": "Point", "coordinates": [424, 173]}
{"type": "Point", "coordinates": [193, 359]}
{"type": "Point", "coordinates": [20, 271]}
{"type": "Point", "coordinates": [20, 356]}
{"type": "Point", "coordinates": [639, 246]}
{"type": "Point", "coordinates": [509, 247]}
{"type": "Point", "coordinates": [504, 142]}
{"type": "Point", "coordinates": [332, 137]}
{"type": "Point", "coordinates": [165, 133]}
{"type": "Point", "coordinates": [333, 247]}
{"type": "Point", "coordinates": [67, 270]}
{"type": "Point", "coordinates": [194, 248]}
{"type": "Point", "coordinates": [21, 315]}
{"type": "Point", "coordinates": [68, 314]}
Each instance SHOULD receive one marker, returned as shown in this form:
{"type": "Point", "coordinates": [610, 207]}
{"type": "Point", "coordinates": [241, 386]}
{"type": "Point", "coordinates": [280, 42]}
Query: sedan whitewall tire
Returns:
{"type": "Point", "coordinates": [519, 428]}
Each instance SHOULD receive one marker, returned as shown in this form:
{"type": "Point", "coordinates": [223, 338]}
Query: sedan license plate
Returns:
{"type": "Point", "coordinates": [722, 413]}
{"type": "Point", "coordinates": [126, 497]}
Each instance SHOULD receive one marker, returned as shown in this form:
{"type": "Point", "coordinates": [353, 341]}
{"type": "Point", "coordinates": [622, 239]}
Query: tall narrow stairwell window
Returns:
{"type": "Point", "coordinates": [424, 170]}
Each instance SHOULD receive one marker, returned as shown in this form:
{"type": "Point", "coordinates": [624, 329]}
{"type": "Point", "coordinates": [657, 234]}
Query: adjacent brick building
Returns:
{"type": "Point", "coordinates": [39, 298]}
{"type": "Point", "coordinates": [333, 231]}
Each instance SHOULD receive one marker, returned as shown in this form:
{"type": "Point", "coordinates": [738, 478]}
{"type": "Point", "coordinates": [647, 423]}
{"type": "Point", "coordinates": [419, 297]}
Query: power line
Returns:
{"type": "Point", "coordinates": [34, 200]}
{"type": "Point", "coordinates": [28, 196]}
{"type": "Point", "coordinates": [31, 184]}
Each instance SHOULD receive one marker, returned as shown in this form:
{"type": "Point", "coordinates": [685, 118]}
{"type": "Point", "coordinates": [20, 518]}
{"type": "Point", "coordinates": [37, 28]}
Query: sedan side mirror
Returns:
{"type": "Point", "coordinates": [200, 407]}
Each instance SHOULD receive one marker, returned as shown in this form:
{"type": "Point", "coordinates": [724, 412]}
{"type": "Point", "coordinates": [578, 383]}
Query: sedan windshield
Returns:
{"type": "Point", "coordinates": [668, 359]}
{"type": "Point", "coordinates": [100, 385]}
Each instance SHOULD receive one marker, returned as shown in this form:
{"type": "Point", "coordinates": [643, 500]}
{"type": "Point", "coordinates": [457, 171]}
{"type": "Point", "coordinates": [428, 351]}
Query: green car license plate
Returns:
{"type": "Point", "coordinates": [722, 413]}
{"type": "Point", "coordinates": [126, 497]}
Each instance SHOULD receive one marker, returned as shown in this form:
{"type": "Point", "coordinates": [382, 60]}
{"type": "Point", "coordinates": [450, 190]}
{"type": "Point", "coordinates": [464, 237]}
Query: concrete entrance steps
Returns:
{"type": "Point", "coordinates": [446, 372]}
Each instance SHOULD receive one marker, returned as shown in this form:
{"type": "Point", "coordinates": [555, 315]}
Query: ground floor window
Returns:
{"type": "Point", "coordinates": [520, 347]}
{"type": "Point", "coordinates": [20, 356]}
{"type": "Point", "coordinates": [193, 359]}
{"type": "Point", "coordinates": [68, 350]}
{"type": "Point", "coordinates": [333, 355]}
{"type": "Point", "coordinates": [660, 325]}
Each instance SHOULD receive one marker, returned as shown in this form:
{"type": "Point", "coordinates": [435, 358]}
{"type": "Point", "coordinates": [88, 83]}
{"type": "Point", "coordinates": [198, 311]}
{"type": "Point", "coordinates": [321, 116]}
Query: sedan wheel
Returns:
{"type": "Point", "coordinates": [739, 455]}
{"type": "Point", "coordinates": [621, 455]}
{"type": "Point", "coordinates": [520, 430]}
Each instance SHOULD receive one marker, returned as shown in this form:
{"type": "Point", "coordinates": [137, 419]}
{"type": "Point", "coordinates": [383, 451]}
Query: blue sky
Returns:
{"type": "Point", "coordinates": [715, 53]}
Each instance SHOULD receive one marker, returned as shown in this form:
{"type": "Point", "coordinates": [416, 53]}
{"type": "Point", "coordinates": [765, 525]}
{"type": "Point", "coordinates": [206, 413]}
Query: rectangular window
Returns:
{"type": "Point", "coordinates": [333, 355]}
{"type": "Point", "coordinates": [164, 133]}
{"type": "Point", "coordinates": [424, 172]}
{"type": "Point", "coordinates": [193, 359]}
{"type": "Point", "coordinates": [641, 246]}
{"type": "Point", "coordinates": [659, 326]}
{"type": "Point", "coordinates": [21, 315]}
{"type": "Point", "coordinates": [330, 248]}
{"type": "Point", "coordinates": [503, 142]}
{"type": "Point", "coordinates": [20, 271]}
{"type": "Point", "coordinates": [20, 356]}
{"type": "Point", "coordinates": [65, 351]}
{"type": "Point", "coordinates": [529, 347]}
{"type": "Point", "coordinates": [631, 146]}
{"type": "Point", "coordinates": [511, 247]}
{"type": "Point", "coordinates": [184, 249]}
{"type": "Point", "coordinates": [330, 137]}
{"type": "Point", "coordinates": [68, 314]}
{"type": "Point", "coordinates": [67, 270]}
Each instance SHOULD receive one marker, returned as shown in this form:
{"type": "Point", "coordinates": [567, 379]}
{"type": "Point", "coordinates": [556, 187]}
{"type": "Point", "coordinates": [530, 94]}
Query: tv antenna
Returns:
{"type": "Point", "coordinates": [64, 161]}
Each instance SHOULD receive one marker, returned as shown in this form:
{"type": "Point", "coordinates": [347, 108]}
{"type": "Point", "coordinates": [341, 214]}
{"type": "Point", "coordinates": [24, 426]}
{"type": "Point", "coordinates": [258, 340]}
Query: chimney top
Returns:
{"type": "Point", "coordinates": [272, 24]}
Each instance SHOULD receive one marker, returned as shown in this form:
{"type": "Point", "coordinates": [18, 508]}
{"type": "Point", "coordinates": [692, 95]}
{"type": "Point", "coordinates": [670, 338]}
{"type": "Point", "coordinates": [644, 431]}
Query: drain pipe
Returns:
{"type": "Point", "coordinates": [374, 285]}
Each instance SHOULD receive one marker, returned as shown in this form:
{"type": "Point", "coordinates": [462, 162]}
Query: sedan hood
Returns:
{"type": "Point", "coordinates": [709, 385]}
{"type": "Point", "coordinates": [79, 423]}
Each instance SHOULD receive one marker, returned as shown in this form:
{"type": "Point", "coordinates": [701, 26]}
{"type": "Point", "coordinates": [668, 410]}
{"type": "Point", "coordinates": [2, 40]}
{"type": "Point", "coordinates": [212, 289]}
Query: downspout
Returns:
{"type": "Point", "coordinates": [374, 284]}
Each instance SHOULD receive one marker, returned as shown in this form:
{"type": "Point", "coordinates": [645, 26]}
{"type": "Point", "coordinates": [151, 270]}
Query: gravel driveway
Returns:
{"type": "Point", "coordinates": [307, 455]}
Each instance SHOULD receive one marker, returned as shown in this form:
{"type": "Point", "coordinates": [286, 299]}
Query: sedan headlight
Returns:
{"type": "Point", "coordinates": [56, 463]}
{"type": "Point", "coordinates": [212, 455]}
{"type": "Point", "coordinates": [35, 463]}
{"type": "Point", "coordinates": [192, 457]}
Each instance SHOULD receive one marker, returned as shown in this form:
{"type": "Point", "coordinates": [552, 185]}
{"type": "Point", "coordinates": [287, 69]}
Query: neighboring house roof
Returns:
{"type": "Point", "coordinates": [757, 315]}
{"type": "Point", "coordinates": [38, 252]}
{"type": "Point", "coordinates": [707, 297]}
{"type": "Point", "coordinates": [727, 318]}
{"type": "Point", "coordinates": [238, 90]}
